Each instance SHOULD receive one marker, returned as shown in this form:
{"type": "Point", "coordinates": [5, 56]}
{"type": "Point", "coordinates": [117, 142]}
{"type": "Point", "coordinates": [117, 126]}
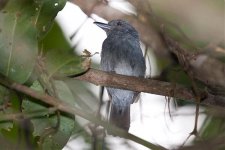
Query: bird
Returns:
{"type": "Point", "coordinates": [121, 54]}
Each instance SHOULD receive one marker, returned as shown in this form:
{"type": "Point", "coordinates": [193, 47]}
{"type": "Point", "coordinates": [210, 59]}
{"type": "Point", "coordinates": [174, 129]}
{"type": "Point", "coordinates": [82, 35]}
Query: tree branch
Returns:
{"type": "Point", "coordinates": [119, 81]}
{"type": "Point", "coordinates": [98, 77]}
{"type": "Point", "coordinates": [202, 67]}
{"type": "Point", "coordinates": [64, 107]}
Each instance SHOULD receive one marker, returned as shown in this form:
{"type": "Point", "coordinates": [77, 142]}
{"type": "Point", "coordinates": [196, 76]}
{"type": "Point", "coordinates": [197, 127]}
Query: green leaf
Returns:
{"type": "Point", "coordinates": [18, 44]}
{"type": "Point", "coordinates": [61, 63]}
{"type": "Point", "coordinates": [21, 24]}
{"type": "Point", "coordinates": [59, 56]}
{"type": "Point", "coordinates": [56, 138]}
{"type": "Point", "coordinates": [212, 127]}
{"type": "Point", "coordinates": [10, 104]}
{"type": "Point", "coordinates": [11, 128]}
{"type": "Point", "coordinates": [20, 135]}
{"type": "Point", "coordinates": [48, 10]}
{"type": "Point", "coordinates": [83, 96]}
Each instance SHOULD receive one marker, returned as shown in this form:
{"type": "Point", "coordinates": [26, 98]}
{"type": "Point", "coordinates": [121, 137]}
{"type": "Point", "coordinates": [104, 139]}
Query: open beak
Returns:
{"type": "Point", "coordinates": [104, 26]}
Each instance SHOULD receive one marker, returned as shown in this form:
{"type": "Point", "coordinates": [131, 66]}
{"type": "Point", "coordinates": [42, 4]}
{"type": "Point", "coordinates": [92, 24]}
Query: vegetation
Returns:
{"type": "Point", "coordinates": [43, 86]}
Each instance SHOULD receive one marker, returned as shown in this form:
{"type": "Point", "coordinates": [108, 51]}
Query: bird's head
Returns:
{"type": "Point", "coordinates": [115, 26]}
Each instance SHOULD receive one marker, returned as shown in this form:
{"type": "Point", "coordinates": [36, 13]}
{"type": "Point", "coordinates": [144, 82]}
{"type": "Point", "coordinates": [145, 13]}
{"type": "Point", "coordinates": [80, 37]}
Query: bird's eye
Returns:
{"type": "Point", "coordinates": [118, 24]}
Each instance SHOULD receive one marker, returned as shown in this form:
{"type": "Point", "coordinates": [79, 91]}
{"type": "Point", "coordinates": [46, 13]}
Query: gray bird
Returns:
{"type": "Point", "coordinates": [121, 54]}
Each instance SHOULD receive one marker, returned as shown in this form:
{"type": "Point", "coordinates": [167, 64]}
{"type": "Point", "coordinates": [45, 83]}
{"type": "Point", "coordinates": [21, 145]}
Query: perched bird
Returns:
{"type": "Point", "coordinates": [121, 54]}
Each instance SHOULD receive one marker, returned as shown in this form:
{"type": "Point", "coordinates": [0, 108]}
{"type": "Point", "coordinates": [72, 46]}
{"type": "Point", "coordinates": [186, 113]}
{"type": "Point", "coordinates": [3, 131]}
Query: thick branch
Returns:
{"type": "Point", "coordinates": [202, 67]}
{"type": "Point", "coordinates": [98, 77]}
{"type": "Point", "coordinates": [114, 80]}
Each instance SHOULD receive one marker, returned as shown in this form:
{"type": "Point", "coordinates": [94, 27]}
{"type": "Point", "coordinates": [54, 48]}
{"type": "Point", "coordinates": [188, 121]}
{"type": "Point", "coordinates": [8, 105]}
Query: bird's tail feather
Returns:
{"type": "Point", "coordinates": [120, 116]}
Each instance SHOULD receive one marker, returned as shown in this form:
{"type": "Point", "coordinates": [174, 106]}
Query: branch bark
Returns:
{"type": "Point", "coordinates": [98, 77]}
{"type": "Point", "coordinates": [203, 67]}
{"type": "Point", "coordinates": [118, 81]}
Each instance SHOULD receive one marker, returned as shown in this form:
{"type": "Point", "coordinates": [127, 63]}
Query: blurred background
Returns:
{"type": "Point", "coordinates": [44, 43]}
{"type": "Point", "coordinates": [202, 22]}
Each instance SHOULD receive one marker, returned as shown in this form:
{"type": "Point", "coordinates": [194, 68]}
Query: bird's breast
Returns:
{"type": "Point", "coordinates": [122, 55]}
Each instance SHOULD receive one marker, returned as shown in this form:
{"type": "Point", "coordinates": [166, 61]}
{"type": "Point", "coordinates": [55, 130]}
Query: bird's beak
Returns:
{"type": "Point", "coordinates": [104, 26]}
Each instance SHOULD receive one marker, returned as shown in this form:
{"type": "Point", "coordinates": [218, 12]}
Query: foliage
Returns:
{"type": "Point", "coordinates": [35, 53]}
{"type": "Point", "coordinates": [30, 56]}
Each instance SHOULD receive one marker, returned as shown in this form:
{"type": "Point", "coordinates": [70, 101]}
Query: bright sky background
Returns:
{"type": "Point", "coordinates": [149, 118]}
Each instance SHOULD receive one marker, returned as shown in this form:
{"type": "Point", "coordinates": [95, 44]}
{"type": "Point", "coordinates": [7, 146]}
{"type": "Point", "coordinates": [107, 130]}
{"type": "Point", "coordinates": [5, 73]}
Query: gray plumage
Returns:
{"type": "Point", "coordinates": [121, 54]}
